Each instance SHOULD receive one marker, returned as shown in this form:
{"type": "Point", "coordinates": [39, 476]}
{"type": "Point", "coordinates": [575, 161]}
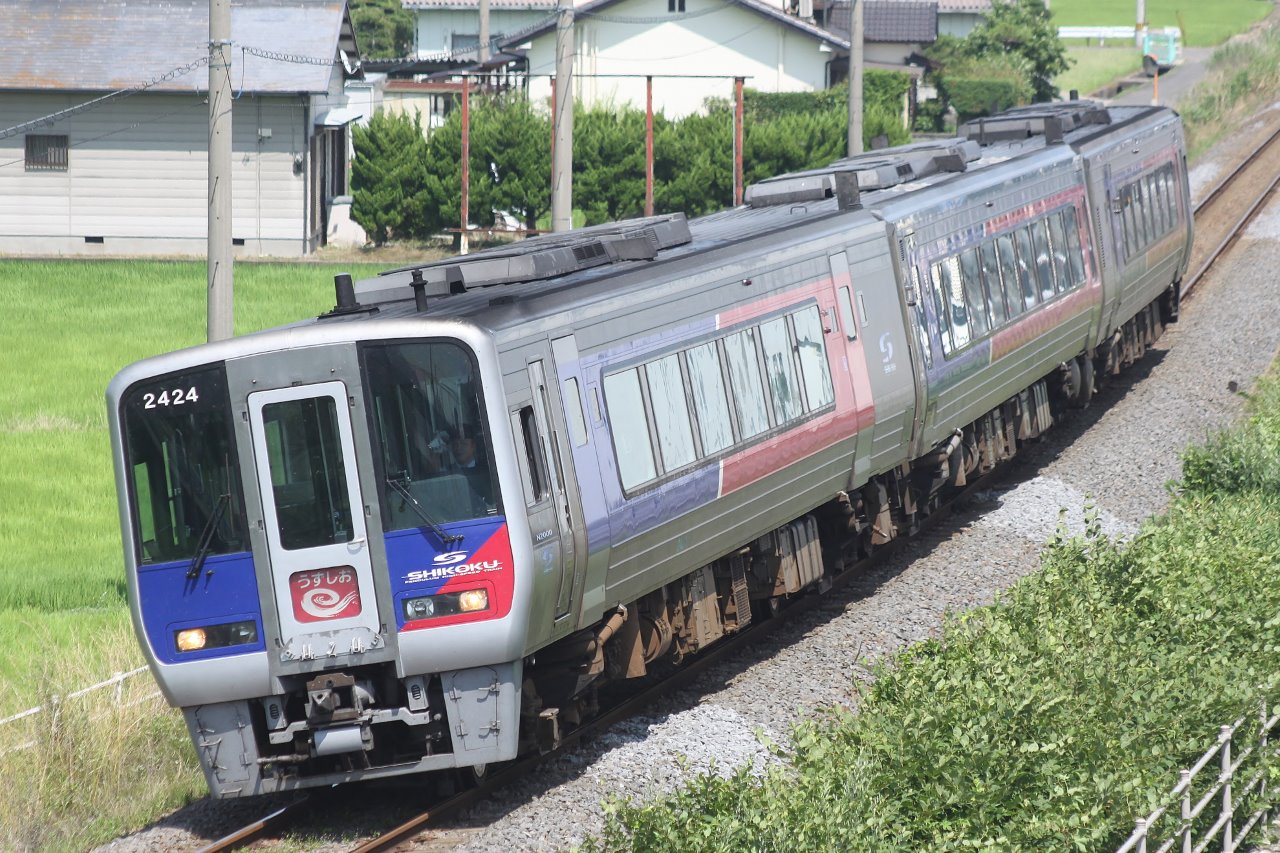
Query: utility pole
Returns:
{"type": "Point", "coordinates": [484, 30]}
{"type": "Point", "coordinates": [1140, 28]}
{"type": "Point", "coordinates": [221, 310]}
{"type": "Point", "coordinates": [855, 80]}
{"type": "Point", "coordinates": [562, 155]}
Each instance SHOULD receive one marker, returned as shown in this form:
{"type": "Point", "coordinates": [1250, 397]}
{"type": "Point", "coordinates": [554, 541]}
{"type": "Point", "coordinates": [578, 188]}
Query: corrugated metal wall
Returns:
{"type": "Point", "coordinates": [137, 174]}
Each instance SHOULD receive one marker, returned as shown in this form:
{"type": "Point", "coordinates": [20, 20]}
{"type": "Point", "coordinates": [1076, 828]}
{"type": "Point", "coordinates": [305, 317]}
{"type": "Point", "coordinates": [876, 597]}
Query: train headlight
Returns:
{"type": "Point", "coordinates": [192, 640]}
{"type": "Point", "coordinates": [446, 604]}
{"type": "Point", "coordinates": [216, 636]}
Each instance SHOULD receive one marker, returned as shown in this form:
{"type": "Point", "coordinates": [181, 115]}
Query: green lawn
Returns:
{"type": "Point", "coordinates": [1094, 67]}
{"type": "Point", "coordinates": [69, 326]}
{"type": "Point", "coordinates": [1203, 24]}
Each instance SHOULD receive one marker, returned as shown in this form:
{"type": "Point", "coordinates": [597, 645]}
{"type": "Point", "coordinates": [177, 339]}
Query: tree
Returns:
{"type": "Point", "coordinates": [608, 162]}
{"type": "Point", "coordinates": [384, 28]}
{"type": "Point", "coordinates": [1023, 28]}
{"type": "Point", "coordinates": [510, 159]}
{"type": "Point", "coordinates": [389, 177]}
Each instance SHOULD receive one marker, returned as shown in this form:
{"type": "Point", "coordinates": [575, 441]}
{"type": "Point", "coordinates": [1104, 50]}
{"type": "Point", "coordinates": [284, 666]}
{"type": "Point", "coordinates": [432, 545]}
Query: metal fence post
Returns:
{"type": "Point", "coordinates": [1225, 735]}
{"type": "Point", "coordinates": [1262, 754]}
{"type": "Point", "coordinates": [1185, 779]}
{"type": "Point", "coordinates": [1140, 827]}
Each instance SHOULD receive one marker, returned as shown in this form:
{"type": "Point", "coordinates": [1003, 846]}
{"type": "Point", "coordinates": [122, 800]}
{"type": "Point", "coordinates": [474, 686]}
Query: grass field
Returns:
{"type": "Point", "coordinates": [68, 327]}
{"type": "Point", "coordinates": [1094, 67]}
{"type": "Point", "coordinates": [1203, 24]}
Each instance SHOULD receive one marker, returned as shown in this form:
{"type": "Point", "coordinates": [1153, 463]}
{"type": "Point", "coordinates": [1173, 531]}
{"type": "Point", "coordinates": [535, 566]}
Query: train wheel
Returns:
{"type": "Point", "coordinates": [1085, 391]}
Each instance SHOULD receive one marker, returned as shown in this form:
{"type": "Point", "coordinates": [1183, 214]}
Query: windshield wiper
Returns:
{"type": "Point", "coordinates": [412, 502]}
{"type": "Point", "coordinates": [206, 537]}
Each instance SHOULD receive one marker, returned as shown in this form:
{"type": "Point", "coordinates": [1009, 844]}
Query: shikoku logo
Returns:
{"type": "Point", "coordinates": [452, 564]}
{"type": "Point", "coordinates": [450, 557]}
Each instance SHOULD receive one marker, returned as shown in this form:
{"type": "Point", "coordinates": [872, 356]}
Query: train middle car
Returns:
{"type": "Point", "coordinates": [420, 531]}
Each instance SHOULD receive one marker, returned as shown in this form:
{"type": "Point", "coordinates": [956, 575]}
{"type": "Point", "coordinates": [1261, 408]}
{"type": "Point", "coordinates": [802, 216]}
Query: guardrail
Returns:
{"type": "Point", "coordinates": [1189, 829]}
{"type": "Point", "coordinates": [117, 680]}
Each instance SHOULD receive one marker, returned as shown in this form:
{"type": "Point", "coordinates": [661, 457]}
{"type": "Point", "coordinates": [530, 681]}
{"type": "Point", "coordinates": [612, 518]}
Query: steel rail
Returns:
{"type": "Point", "coordinates": [1237, 229]}
{"type": "Point", "coordinates": [258, 828]}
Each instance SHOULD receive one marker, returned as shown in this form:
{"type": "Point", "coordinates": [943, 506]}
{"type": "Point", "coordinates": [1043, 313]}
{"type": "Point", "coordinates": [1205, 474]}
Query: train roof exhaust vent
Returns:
{"type": "Point", "coordinates": [540, 258]}
{"type": "Point", "coordinates": [1052, 121]}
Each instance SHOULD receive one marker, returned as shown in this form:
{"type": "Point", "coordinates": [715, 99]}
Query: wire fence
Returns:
{"type": "Point", "coordinates": [1241, 810]}
{"type": "Point", "coordinates": [117, 681]}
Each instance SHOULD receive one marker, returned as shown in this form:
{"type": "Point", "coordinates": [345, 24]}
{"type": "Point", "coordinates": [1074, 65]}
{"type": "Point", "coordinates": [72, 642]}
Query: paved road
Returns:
{"type": "Point", "coordinates": [1174, 85]}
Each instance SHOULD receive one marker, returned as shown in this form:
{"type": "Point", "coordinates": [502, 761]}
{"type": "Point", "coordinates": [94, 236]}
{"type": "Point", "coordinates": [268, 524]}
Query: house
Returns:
{"type": "Point", "coordinates": [104, 125]}
{"type": "Point", "coordinates": [692, 49]}
{"type": "Point", "coordinates": [893, 31]}
{"type": "Point", "coordinates": [959, 17]}
{"type": "Point", "coordinates": [452, 27]}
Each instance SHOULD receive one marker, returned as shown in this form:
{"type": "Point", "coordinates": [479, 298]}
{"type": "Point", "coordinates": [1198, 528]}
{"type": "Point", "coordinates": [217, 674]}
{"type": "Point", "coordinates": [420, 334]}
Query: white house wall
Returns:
{"type": "Point", "coordinates": [435, 28]}
{"type": "Point", "coordinates": [711, 38]}
{"type": "Point", "coordinates": [138, 172]}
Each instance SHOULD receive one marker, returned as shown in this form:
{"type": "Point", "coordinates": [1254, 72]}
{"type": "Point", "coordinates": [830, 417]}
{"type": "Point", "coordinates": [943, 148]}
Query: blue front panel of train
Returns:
{"type": "Point", "coordinates": [225, 591]}
{"type": "Point", "coordinates": [419, 564]}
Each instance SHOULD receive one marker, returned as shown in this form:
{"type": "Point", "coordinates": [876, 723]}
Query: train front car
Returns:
{"type": "Point", "coordinates": [319, 564]}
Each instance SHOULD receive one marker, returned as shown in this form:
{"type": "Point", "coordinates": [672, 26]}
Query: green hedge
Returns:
{"type": "Point", "coordinates": [1048, 721]}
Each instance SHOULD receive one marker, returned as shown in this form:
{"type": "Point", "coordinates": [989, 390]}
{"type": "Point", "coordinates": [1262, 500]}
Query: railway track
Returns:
{"type": "Point", "coordinates": [1220, 217]}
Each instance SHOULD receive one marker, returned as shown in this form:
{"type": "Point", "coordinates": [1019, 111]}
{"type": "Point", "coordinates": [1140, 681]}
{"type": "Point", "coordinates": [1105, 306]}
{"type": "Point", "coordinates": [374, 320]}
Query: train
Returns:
{"type": "Point", "coordinates": [421, 531]}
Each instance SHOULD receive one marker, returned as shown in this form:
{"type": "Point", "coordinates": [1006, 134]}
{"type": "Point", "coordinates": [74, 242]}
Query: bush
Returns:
{"type": "Point", "coordinates": [984, 87]}
{"type": "Point", "coordinates": [389, 178]}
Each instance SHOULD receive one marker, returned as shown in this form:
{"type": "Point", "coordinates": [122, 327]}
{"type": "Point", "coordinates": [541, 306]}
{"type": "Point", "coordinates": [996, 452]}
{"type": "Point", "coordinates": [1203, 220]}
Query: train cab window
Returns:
{"type": "Point", "coordinates": [1170, 194]}
{"type": "Point", "coordinates": [1026, 278]}
{"type": "Point", "coordinates": [670, 412]}
{"type": "Point", "coordinates": [814, 371]}
{"type": "Point", "coordinates": [181, 458]}
{"type": "Point", "coordinates": [995, 287]}
{"type": "Point", "coordinates": [1009, 272]}
{"type": "Point", "coordinates": [748, 390]}
{"type": "Point", "coordinates": [629, 424]}
{"type": "Point", "coordinates": [308, 476]}
{"type": "Point", "coordinates": [1044, 260]}
{"type": "Point", "coordinates": [780, 368]}
{"type": "Point", "coordinates": [710, 402]}
{"type": "Point", "coordinates": [974, 297]}
{"type": "Point", "coordinates": [573, 409]}
{"type": "Point", "coordinates": [1075, 253]}
{"type": "Point", "coordinates": [1058, 242]}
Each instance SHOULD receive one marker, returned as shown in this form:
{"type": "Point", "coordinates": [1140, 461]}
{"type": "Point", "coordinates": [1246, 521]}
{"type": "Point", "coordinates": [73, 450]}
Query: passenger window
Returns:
{"type": "Point", "coordinates": [941, 299]}
{"type": "Point", "coordinates": [846, 313]}
{"type": "Point", "coordinates": [1075, 253]}
{"type": "Point", "coordinates": [744, 375]}
{"type": "Point", "coordinates": [1044, 262]}
{"type": "Point", "coordinates": [573, 406]}
{"type": "Point", "coordinates": [710, 402]}
{"type": "Point", "coordinates": [780, 367]}
{"type": "Point", "coordinates": [1142, 214]}
{"type": "Point", "coordinates": [1026, 279]}
{"type": "Point", "coordinates": [814, 371]}
{"type": "Point", "coordinates": [539, 481]}
{"type": "Point", "coordinates": [1170, 193]}
{"type": "Point", "coordinates": [670, 412]}
{"type": "Point", "coordinates": [995, 289]}
{"type": "Point", "coordinates": [1058, 241]}
{"type": "Point", "coordinates": [1158, 206]}
{"type": "Point", "coordinates": [630, 428]}
{"type": "Point", "coordinates": [1009, 272]}
{"type": "Point", "coordinates": [977, 300]}
{"type": "Point", "coordinates": [1130, 227]}
{"type": "Point", "coordinates": [959, 316]}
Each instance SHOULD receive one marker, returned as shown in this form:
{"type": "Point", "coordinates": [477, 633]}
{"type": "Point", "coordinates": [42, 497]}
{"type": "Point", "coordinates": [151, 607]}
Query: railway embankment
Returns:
{"type": "Point", "coordinates": [1050, 719]}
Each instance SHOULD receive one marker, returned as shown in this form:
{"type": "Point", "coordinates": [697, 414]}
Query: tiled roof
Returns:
{"type": "Point", "coordinates": [104, 45]}
{"type": "Point", "coordinates": [971, 6]}
{"type": "Point", "coordinates": [518, 5]}
{"type": "Point", "coordinates": [760, 8]}
{"type": "Point", "coordinates": [909, 21]}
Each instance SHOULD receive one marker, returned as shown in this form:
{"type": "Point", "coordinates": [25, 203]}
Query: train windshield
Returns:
{"type": "Point", "coordinates": [180, 458]}
{"type": "Point", "coordinates": [427, 422]}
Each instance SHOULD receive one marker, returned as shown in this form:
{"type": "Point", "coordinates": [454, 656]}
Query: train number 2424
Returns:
{"type": "Point", "coordinates": [174, 397]}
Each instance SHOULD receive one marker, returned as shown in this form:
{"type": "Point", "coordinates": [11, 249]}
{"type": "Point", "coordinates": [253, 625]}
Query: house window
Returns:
{"type": "Point", "coordinates": [46, 153]}
{"type": "Point", "coordinates": [675, 5]}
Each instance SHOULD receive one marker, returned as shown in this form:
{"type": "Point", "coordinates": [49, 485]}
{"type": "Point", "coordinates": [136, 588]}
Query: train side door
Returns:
{"type": "Point", "coordinates": [557, 521]}
{"type": "Point", "coordinates": [313, 513]}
